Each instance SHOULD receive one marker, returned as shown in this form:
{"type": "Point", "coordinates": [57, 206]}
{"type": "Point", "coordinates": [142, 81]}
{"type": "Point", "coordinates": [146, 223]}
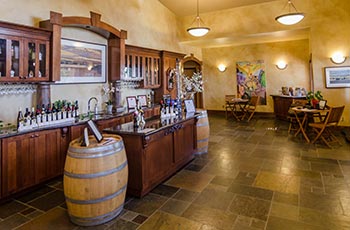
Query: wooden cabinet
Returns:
{"type": "Point", "coordinates": [32, 158]}
{"type": "Point", "coordinates": [103, 124]}
{"type": "Point", "coordinates": [153, 157]}
{"type": "Point", "coordinates": [281, 105]}
{"type": "Point", "coordinates": [144, 65]}
{"type": "Point", "coordinates": [24, 53]}
{"type": "Point", "coordinates": [168, 66]}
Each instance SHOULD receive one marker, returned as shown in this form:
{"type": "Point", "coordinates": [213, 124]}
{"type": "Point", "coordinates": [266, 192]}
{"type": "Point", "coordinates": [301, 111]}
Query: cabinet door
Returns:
{"type": "Point", "coordinates": [103, 124]}
{"type": "Point", "coordinates": [11, 58]}
{"type": "Point", "coordinates": [77, 131]}
{"type": "Point", "coordinates": [47, 154]}
{"type": "Point", "coordinates": [17, 164]}
{"type": "Point", "coordinates": [184, 141]}
{"type": "Point", "coordinates": [158, 158]}
{"type": "Point", "coordinates": [24, 56]}
{"type": "Point", "coordinates": [36, 60]}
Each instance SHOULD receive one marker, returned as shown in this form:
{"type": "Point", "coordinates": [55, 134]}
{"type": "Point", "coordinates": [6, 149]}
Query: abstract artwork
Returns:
{"type": "Point", "coordinates": [251, 80]}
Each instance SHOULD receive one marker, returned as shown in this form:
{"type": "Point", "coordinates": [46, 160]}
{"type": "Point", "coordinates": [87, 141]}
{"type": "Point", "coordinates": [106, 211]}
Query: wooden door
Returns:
{"type": "Point", "coordinates": [47, 154]}
{"type": "Point", "coordinates": [17, 164]}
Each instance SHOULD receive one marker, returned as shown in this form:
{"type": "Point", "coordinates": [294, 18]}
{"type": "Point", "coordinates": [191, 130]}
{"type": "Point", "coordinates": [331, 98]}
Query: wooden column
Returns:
{"type": "Point", "coordinates": [43, 94]}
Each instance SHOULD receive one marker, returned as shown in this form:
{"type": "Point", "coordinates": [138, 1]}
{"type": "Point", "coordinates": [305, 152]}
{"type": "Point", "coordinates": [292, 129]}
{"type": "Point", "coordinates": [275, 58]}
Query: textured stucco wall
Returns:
{"type": "Point", "coordinates": [327, 20]}
{"type": "Point", "coordinates": [148, 23]}
{"type": "Point", "coordinates": [217, 84]}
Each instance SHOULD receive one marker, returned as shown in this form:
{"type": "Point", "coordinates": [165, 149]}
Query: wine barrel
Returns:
{"type": "Point", "coordinates": [95, 180]}
{"type": "Point", "coordinates": [202, 132]}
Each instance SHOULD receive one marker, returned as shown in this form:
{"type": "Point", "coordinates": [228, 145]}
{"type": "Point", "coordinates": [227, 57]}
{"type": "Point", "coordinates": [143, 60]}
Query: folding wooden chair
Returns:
{"type": "Point", "coordinates": [324, 128]}
{"type": "Point", "coordinates": [229, 106]}
{"type": "Point", "coordinates": [251, 107]}
{"type": "Point", "coordinates": [293, 123]}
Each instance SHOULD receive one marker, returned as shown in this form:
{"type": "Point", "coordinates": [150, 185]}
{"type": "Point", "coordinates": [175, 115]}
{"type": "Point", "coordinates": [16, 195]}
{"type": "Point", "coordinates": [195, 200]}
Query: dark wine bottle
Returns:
{"type": "Point", "coordinates": [20, 118]}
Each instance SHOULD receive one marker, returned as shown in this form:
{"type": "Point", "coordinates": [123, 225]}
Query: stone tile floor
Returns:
{"type": "Point", "coordinates": [255, 176]}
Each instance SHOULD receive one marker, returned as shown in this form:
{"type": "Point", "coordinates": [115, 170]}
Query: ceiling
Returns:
{"type": "Point", "coordinates": [189, 7]}
{"type": "Point", "coordinates": [183, 8]}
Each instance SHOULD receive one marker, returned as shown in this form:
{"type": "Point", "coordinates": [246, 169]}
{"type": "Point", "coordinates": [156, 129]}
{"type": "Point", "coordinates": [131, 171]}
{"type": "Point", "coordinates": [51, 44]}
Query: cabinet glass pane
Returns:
{"type": "Point", "coordinates": [141, 68]}
{"type": "Point", "coordinates": [31, 59]}
{"type": "Point", "coordinates": [136, 66]}
{"type": "Point", "coordinates": [146, 71]}
{"type": "Point", "coordinates": [42, 60]}
{"type": "Point", "coordinates": [15, 49]}
{"type": "Point", "coordinates": [130, 66]}
{"type": "Point", "coordinates": [3, 58]}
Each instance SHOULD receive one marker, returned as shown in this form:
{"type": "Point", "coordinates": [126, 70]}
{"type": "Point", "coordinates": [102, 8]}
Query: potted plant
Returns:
{"type": "Point", "coordinates": [314, 98]}
{"type": "Point", "coordinates": [108, 91]}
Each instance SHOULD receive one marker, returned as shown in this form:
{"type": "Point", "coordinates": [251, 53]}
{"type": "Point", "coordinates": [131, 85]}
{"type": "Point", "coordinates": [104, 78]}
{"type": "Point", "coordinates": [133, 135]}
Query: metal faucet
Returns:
{"type": "Point", "coordinates": [89, 108]}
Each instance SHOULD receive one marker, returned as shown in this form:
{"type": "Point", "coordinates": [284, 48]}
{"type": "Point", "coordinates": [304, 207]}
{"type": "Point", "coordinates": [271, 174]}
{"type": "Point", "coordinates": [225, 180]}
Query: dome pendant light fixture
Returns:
{"type": "Point", "coordinates": [290, 18]}
{"type": "Point", "coordinates": [198, 30]}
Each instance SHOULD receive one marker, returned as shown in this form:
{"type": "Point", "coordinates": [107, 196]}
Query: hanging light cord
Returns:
{"type": "Point", "coordinates": [290, 5]}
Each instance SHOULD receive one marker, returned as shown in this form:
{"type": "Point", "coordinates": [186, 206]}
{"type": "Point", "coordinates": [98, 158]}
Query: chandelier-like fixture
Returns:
{"type": "Point", "coordinates": [198, 30]}
{"type": "Point", "coordinates": [292, 17]}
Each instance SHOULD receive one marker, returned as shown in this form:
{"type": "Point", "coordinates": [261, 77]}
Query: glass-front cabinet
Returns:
{"type": "Point", "coordinates": [142, 64]}
{"type": "Point", "coordinates": [24, 54]}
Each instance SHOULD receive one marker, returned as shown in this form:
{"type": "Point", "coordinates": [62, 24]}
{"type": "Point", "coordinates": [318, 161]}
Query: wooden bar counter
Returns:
{"type": "Point", "coordinates": [157, 151]}
{"type": "Point", "coordinates": [281, 104]}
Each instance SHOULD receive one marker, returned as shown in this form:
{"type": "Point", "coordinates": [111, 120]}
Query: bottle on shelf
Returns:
{"type": "Point", "coordinates": [20, 119]}
{"type": "Point", "coordinates": [49, 113]}
{"type": "Point", "coordinates": [27, 118]}
{"type": "Point", "coordinates": [43, 114]}
{"type": "Point", "coordinates": [33, 118]}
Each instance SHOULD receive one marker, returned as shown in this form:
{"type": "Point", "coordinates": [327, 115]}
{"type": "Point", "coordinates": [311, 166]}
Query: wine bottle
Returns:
{"type": "Point", "coordinates": [20, 119]}
{"type": "Point", "coordinates": [49, 113]}
{"type": "Point", "coordinates": [32, 118]}
{"type": "Point", "coordinates": [76, 109]}
{"type": "Point", "coordinates": [27, 117]}
{"type": "Point", "coordinates": [43, 114]}
{"type": "Point", "coordinates": [54, 112]}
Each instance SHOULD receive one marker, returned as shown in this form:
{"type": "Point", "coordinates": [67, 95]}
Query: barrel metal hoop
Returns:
{"type": "Point", "coordinates": [94, 175]}
{"type": "Point", "coordinates": [203, 140]}
{"type": "Point", "coordinates": [202, 150]}
{"type": "Point", "coordinates": [90, 154]}
{"type": "Point", "coordinates": [99, 200]}
{"type": "Point", "coordinates": [202, 124]}
{"type": "Point", "coordinates": [90, 221]}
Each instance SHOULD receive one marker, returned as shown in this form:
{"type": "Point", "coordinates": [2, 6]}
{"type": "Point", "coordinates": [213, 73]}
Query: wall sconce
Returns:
{"type": "Point", "coordinates": [338, 58]}
{"type": "Point", "coordinates": [281, 65]}
{"type": "Point", "coordinates": [221, 68]}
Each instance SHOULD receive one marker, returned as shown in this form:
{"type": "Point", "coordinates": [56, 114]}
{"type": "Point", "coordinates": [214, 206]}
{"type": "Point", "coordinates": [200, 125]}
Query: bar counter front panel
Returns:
{"type": "Point", "coordinates": [156, 151]}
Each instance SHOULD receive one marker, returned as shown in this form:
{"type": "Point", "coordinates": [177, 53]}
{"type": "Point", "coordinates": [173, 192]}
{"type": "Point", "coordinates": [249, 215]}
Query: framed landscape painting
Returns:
{"type": "Point", "coordinates": [82, 62]}
{"type": "Point", "coordinates": [337, 77]}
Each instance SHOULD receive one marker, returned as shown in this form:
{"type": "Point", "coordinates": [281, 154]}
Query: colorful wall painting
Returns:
{"type": "Point", "coordinates": [251, 80]}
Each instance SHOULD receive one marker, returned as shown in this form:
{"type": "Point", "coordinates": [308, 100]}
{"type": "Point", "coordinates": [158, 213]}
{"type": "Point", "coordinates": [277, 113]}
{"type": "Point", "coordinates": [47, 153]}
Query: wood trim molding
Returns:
{"type": "Point", "coordinates": [116, 40]}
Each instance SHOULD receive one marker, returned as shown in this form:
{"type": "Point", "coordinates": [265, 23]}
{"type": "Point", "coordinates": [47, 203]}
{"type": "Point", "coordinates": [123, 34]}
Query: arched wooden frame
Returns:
{"type": "Point", "coordinates": [191, 59]}
{"type": "Point", "coordinates": [116, 41]}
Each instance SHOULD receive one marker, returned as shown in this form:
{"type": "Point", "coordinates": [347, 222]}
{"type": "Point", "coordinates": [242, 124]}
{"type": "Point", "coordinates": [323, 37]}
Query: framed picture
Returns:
{"type": "Point", "coordinates": [131, 101]}
{"type": "Point", "coordinates": [322, 104]}
{"type": "Point", "coordinates": [142, 100]}
{"type": "Point", "coordinates": [337, 77]}
{"type": "Point", "coordinates": [82, 62]}
{"type": "Point", "coordinates": [95, 131]}
{"type": "Point", "coordinates": [189, 106]}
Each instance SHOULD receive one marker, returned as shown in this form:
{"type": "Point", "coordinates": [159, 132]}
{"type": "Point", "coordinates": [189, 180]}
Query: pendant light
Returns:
{"type": "Point", "coordinates": [198, 30]}
{"type": "Point", "coordinates": [290, 18]}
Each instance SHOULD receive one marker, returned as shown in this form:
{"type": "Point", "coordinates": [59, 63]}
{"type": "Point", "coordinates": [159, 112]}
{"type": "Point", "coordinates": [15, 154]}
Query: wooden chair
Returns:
{"type": "Point", "coordinates": [293, 123]}
{"type": "Point", "coordinates": [228, 103]}
{"type": "Point", "coordinates": [324, 128]}
{"type": "Point", "coordinates": [251, 107]}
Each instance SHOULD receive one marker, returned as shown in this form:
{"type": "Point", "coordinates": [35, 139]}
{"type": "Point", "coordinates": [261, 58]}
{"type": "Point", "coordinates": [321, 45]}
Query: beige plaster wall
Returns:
{"type": "Point", "coordinates": [330, 33]}
{"type": "Point", "coordinates": [217, 84]}
{"type": "Point", "coordinates": [148, 23]}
